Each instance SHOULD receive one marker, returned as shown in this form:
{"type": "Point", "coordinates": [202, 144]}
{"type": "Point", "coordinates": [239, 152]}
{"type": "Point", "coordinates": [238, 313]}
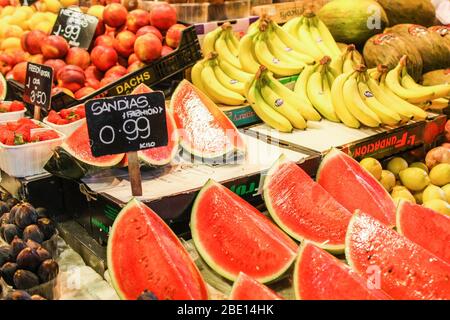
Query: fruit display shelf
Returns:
{"type": "Point", "coordinates": [171, 191]}
{"type": "Point", "coordinates": [374, 142]}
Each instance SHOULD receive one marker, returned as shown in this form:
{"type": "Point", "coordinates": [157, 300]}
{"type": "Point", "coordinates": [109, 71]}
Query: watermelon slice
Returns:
{"type": "Point", "coordinates": [232, 236]}
{"type": "Point", "coordinates": [320, 276]}
{"type": "Point", "coordinates": [3, 88]}
{"type": "Point", "coordinates": [355, 188]}
{"type": "Point", "coordinates": [162, 155]}
{"type": "Point", "coordinates": [425, 227]}
{"type": "Point", "coordinates": [144, 254]}
{"type": "Point", "coordinates": [205, 131]}
{"type": "Point", "coordinates": [247, 288]}
{"type": "Point", "coordinates": [303, 209]}
{"type": "Point", "coordinates": [405, 270]}
{"type": "Point", "coordinates": [74, 159]}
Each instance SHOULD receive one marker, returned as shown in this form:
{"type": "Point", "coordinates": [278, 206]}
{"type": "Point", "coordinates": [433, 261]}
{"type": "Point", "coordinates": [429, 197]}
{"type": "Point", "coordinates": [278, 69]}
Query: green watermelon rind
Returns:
{"type": "Point", "coordinates": [337, 249]}
{"type": "Point", "coordinates": [133, 202]}
{"type": "Point", "coordinates": [5, 87]}
{"type": "Point", "coordinates": [203, 252]}
{"type": "Point", "coordinates": [398, 217]}
{"type": "Point", "coordinates": [295, 276]}
{"type": "Point", "coordinates": [99, 164]}
{"type": "Point", "coordinates": [198, 153]}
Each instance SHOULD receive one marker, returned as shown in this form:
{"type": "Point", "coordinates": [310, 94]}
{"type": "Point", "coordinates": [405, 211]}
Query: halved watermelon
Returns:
{"type": "Point", "coordinates": [355, 188]}
{"type": "Point", "coordinates": [144, 254]}
{"type": "Point", "coordinates": [404, 269]}
{"type": "Point", "coordinates": [74, 159]}
{"type": "Point", "coordinates": [425, 227]}
{"type": "Point", "coordinates": [162, 155]}
{"type": "Point", "coordinates": [303, 209]}
{"type": "Point", "coordinates": [247, 288]}
{"type": "Point", "coordinates": [320, 276]}
{"type": "Point", "coordinates": [3, 88]}
{"type": "Point", "coordinates": [205, 131]}
{"type": "Point", "coordinates": [233, 237]}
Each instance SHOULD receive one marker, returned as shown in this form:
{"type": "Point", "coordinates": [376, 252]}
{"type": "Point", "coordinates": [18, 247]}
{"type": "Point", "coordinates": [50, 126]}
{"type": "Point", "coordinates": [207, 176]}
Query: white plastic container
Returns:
{"type": "Point", "coordinates": [28, 159]}
{"type": "Point", "coordinates": [66, 129]}
{"type": "Point", "coordinates": [12, 116]}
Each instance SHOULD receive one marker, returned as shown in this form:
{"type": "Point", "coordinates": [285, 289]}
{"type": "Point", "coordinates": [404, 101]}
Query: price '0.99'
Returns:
{"type": "Point", "coordinates": [133, 128]}
{"type": "Point", "coordinates": [39, 97]}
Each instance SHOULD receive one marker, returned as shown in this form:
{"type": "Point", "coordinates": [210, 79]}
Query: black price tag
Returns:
{"type": "Point", "coordinates": [38, 85]}
{"type": "Point", "coordinates": [127, 123]}
{"type": "Point", "coordinates": [76, 27]}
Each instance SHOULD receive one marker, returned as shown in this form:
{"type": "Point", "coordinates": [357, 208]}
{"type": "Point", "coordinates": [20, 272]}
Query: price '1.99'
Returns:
{"type": "Point", "coordinates": [133, 128]}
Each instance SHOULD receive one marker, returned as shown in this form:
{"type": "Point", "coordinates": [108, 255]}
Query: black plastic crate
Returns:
{"type": "Point", "coordinates": [153, 74]}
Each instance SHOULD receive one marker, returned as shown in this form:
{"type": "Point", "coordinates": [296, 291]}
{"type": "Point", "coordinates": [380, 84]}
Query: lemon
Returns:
{"type": "Point", "coordinates": [446, 189]}
{"type": "Point", "coordinates": [52, 5]}
{"type": "Point", "coordinates": [440, 174]}
{"type": "Point", "coordinates": [414, 179]}
{"type": "Point", "coordinates": [68, 3]}
{"type": "Point", "coordinates": [387, 180]}
{"type": "Point", "coordinates": [10, 43]}
{"type": "Point", "coordinates": [44, 26]}
{"type": "Point", "coordinates": [433, 192]}
{"type": "Point", "coordinates": [96, 10]}
{"type": "Point", "coordinates": [7, 11]}
{"type": "Point", "coordinates": [400, 192]}
{"type": "Point", "coordinates": [373, 166]}
{"type": "Point", "coordinates": [397, 164]}
{"type": "Point", "coordinates": [438, 205]}
{"type": "Point", "coordinates": [420, 165]}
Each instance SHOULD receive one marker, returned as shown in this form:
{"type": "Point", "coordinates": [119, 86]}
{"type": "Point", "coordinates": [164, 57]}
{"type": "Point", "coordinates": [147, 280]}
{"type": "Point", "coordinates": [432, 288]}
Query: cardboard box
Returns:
{"type": "Point", "coordinates": [282, 12]}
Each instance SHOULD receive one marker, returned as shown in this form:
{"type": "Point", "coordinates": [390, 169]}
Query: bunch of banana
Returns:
{"type": "Point", "coordinates": [223, 41]}
{"type": "Point", "coordinates": [347, 61]}
{"type": "Point", "coordinates": [314, 35]}
{"type": "Point", "coordinates": [220, 80]}
{"type": "Point", "coordinates": [267, 44]}
{"type": "Point", "coordinates": [399, 82]}
{"type": "Point", "coordinates": [275, 104]}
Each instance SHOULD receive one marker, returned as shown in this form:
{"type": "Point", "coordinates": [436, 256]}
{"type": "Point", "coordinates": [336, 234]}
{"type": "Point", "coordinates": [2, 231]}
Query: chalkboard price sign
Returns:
{"type": "Point", "coordinates": [38, 85]}
{"type": "Point", "coordinates": [76, 27]}
{"type": "Point", "coordinates": [126, 123]}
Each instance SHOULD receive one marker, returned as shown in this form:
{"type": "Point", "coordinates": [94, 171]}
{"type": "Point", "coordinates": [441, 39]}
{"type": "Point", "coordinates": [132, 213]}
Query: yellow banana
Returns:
{"type": "Point", "coordinates": [339, 104]}
{"type": "Point", "coordinates": [268, 115]}
{"type": "Point", "coordinates": [216, 90]}
{"type": "Point", "coordinates": [210, 40]}
{"type": "Point", "coordinates": [409, 83]}
{"type": "Point", "coordinates": [290, 40]}
{"type": "Point", "coordinates": [224, 52]}
{"type": "Point", "coordinates": [317, 37]}
{"type": "Point", "coordinates": [266, 58]}
{"type": "Point", "coordinates": [337, 64]}
{"type": "Point", "coordinates": [196, 77]}
{"type": "Point", "coordinates": [357, 106]}
{"type": "Point", "coordinates": [283, 107]}
{"type": "Point", "coordinates": [439, 104]}
{"type": "Point", "coordinates": [300, 90]}
{"type": "Point", "coordinates": [319, 93]}
{"type": "Point", "coordinates": [386, 115]}
{"type": "Point", "coordinates": [247, 56]}
{"type": "Point", "coordinates": [305, 37]}
{"type": "Point", "coordinates": [291, 26]}
{"type": "Point", "coordinates": [327, 37]}
{"type": "Point", "coordinates": [227, 82]}
{"type": "Point", "coordinates": [234, 41]}
{"type": "Point", "coordinates": [303, 105]}
{"type": "Point", "coordinates": [234, 72]}
{"type": "Point", "coordinates": [348, 65]}
{"type": "Point", "coordinates": [276, 45]}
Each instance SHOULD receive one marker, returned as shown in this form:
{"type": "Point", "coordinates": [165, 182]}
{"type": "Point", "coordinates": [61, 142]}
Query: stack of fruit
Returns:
{"type": "Point", "coordinates": [66, 116]}
{"type": "Point", "coordinates": [426, 183]}
{"type": "Point", "coordinates": [25, 263]}
{"type": "Point", "coordinates": [11, 106]}
{"type": "Point", "coordinates": [20, 132]}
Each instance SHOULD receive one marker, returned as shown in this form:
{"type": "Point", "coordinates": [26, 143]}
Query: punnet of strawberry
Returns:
{"type": "Point", "coordinates": [6, 106]}
{"type": "Point", "coordinates": [66, 116]}
{"type": "Point", "coordinates": [20, 132]}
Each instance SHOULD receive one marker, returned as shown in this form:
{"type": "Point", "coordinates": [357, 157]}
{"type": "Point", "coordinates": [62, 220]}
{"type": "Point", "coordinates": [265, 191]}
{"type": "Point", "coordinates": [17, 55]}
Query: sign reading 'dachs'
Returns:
{"type": "Point", "coordinates": [127, 123]}
{"type": "Point", "coordinates": [76, 27]}
{"type": "Point", "coordinates": [38, 85]}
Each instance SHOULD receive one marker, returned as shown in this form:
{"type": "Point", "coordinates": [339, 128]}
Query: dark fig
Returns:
{"type": "Point", "coordinates": [11, 202]}
{"type": "Point", "coordinates": [32, 232]}
{"type": "Point", "coordinates": [5, 255]}
{"type": "Point", "coordinates": [3, 207]}
{"type": "Point", "coordinates": [24, 279]}
{"type": "Point", "coordinates": [7, 272]}
{"type": "Point", "coordinates": [32, 244]}
{"type": "Point", "coordinates": [17, 245]}
{"type": "Point", "coordinates": [147, 295]}
{"type": "Point", "coordinates": [4, 219]}
{"type": "Point", "coordinates": [48, 270]}
{"type": "Point", "coordinates": [43, 254]}
{"type": "Point", "coordinates": [41, 212]}
{"type": "Point", "coordinates": [47, 227]}
{"type": "Point", "coordinates": [28, 259]}
{"type": "Point", "coordinates": [10, 231]}
{"type": "Point", "coordinates": [25, 215]}
{"type": "Point", "coordinates": [18, 295]}
{"type": "Point", "coordinates": [37, 297]}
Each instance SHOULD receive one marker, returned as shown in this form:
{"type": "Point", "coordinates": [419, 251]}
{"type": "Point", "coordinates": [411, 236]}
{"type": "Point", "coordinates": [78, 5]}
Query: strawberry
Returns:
{"type": "Point", "coordinates": [44, 135]}
{"type": "Point", "coordinates": [16, 106]}
{"type": "Point", "coordinates": [53, 116]}
{"type": "Point", "coordinates": [12, 126]}
{"type": "Point", "coordinates": [62, 122]}
{"type": "Point", "coordinates": [65, 113]}
{"type": "Point", "coordinates": [4, 108]}
{"type": "Point", "coordinates": [81, 112]}
{"type": "Point", "coordinates": [9, 138]}
{"type": "Point", "coordinates": [28, 121]}
{"type": "Point", "coordinates": [25, 130]}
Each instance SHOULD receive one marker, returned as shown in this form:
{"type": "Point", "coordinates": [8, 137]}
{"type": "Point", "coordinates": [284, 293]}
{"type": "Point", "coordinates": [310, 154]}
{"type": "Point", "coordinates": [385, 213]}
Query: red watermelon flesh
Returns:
{"type": "Point", "coordinates": [144, 254]}
{"type": "Point", "coordinates": [205, 131]}
{"type": "Point", "coordinates": [425, 227]}
{"type": "Point", "coordinates": [405, 270]}
{"type": "Point", "coordinates": [304, 209]}
{"type": "Point", "coordinates": [320, 276]}
{"type": "Point", "coordinates": [355, 188]}
{"type": "Point", "coordinates": [77, 144]}
{"type": "Point", "coordinates": [233, 237]}
{"type": "Point", "coordinates": [247, 288]}
{"type": "Point", "coordinates": [160, 156]}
